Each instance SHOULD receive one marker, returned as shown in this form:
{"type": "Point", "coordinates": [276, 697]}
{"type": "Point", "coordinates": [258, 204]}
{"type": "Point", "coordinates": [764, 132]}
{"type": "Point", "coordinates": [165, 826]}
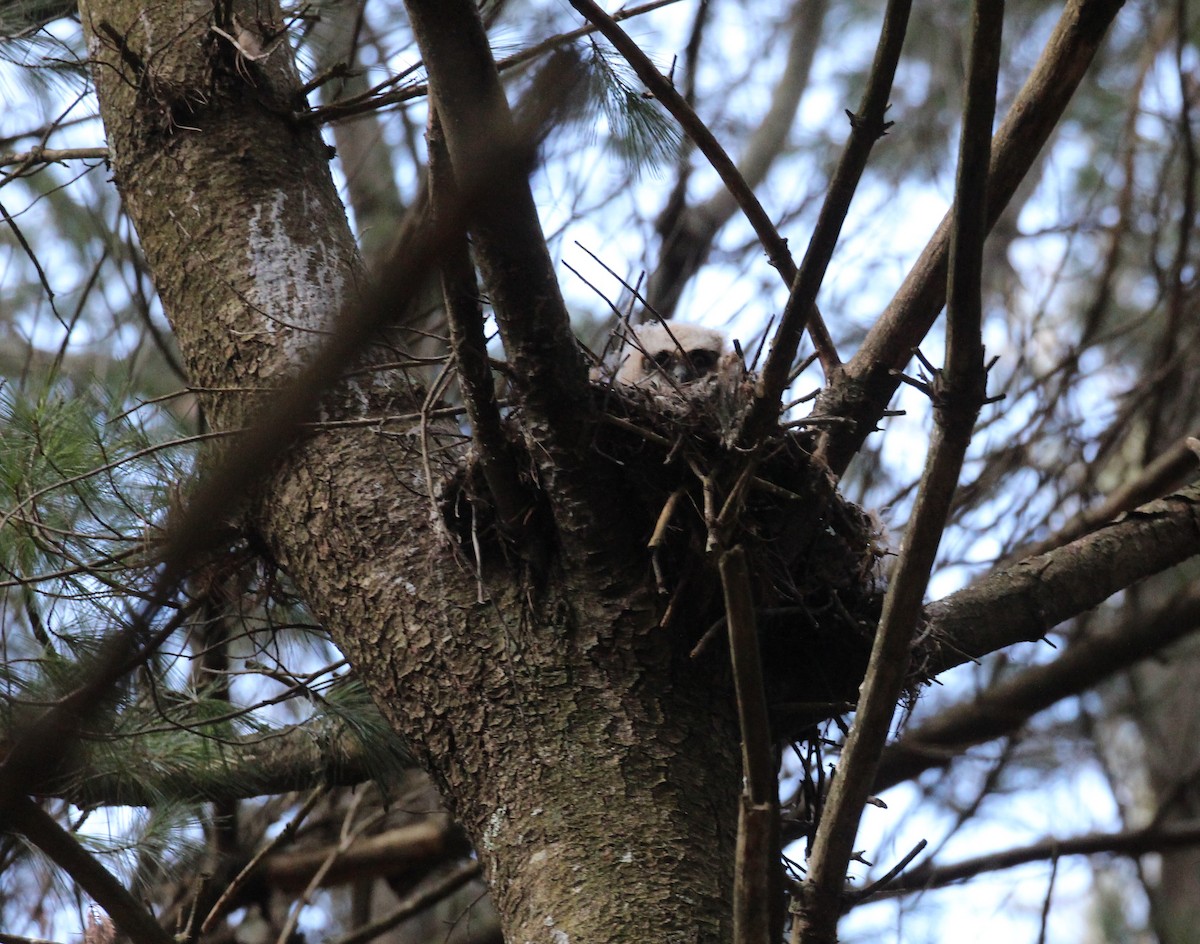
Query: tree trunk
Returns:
{"type": "Point", "coordinates": [586, 755]}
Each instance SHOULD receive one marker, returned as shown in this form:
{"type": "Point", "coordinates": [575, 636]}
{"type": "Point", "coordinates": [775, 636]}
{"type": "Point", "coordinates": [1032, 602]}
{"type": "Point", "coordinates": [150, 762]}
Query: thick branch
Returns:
{"type": "Point", "coordinates": [1168, 471]}
{"type": "Point", "coordinates": [862, 393]}
{"type": "Point", "coordinates": [1006, 706]}
{"type": "Point", "coordinates": [548, 370]}
{"type": "Point", "coordinates": [1025, 601]}
{"type": "Point", "coordinates": [468, 343]}
{"type": "Point", "coordinates": [412, 850]}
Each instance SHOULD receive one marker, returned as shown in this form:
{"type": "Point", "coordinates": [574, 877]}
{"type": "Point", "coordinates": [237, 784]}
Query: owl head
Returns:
{"type": "Point", "coordinates": [662, 357]}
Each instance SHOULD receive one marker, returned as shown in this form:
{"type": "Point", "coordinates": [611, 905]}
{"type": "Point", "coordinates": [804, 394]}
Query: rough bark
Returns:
{"type": "Point", "coordinates": [584, 754]}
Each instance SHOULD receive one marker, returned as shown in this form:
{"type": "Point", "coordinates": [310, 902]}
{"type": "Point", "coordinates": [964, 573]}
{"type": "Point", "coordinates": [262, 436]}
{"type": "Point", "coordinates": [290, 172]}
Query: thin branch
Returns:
{"type": "Point", "coordinates": [688, 231]}
{"type": "Point", "coordinates": [866, 127]}
{"type": "Point", "coordinates": [222, 904]}
{"type": "Point", "coordinates": [129, 915]}
{"type": "Point", "coordinates": [862, 392]}
{"type": "Point", "coordinates": [1134, 843]}
{"type": "Point", "coordinates": [425, 896]}
{"type": "Point", "coordinates": [957, 406]}
{"type": "Point", "coordinates": [662, 89]}
{"type": "Point", "coordinates": [43, 155]}
{"type": "Point", "coordinates": [890, 876]}
{"type": "Point", "coordinates": [375, 98]}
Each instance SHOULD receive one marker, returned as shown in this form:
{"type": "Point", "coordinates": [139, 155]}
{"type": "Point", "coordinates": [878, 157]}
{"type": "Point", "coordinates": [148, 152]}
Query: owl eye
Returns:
{"type": "Point", "coordinates": [703, 360]}
{"type": "Point", "coordinates": [661, 361]}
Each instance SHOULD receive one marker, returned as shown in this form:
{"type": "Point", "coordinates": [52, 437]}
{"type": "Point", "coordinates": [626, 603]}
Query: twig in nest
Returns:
{"type": "Point", "coordinates": [659, 535]}
{"type": "Point", "coordinates": [710, 506]}
{"type": "Point", "coordinates": [636, 430]}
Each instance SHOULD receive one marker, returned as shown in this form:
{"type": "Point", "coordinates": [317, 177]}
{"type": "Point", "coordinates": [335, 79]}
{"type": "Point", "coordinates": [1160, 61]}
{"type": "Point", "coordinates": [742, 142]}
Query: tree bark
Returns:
{"type": "Point", "coordinates": [583, 752]}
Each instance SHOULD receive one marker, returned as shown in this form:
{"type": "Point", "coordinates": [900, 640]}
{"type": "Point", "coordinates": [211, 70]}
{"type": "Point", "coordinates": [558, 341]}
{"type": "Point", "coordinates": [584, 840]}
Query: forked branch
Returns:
{"type": "Point", "coordinates": [861, 394]}
{"type": "Point", "coordinates": [866, 127]}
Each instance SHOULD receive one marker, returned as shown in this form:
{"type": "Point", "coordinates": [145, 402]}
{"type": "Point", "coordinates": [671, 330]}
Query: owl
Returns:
{"type": "Point", "coordinates": [664, 357]}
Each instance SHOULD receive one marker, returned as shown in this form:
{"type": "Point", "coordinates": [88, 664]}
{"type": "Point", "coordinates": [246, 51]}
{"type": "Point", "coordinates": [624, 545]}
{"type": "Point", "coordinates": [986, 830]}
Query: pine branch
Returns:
{"type": "Point", "coordinates": [40, 828]}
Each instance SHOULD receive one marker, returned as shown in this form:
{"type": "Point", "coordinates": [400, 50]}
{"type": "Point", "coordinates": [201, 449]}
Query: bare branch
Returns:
{"type": "Point", "coordinates": [756, 891]}
{"type": "Point", "coordinates": [426, 895]}
{"type": "Point", "coordinates": [957, 405]}
{"type": "Point", "coordinates": [688, 231]}
{"type": "Point", "coordinates": [1023, 602]}
{"type": "Point", "coordinates": [407, 849]}
{"type": "Point", "coordinates": [548, 370]}
{"type": "Point", "coordinates": [662, 89]}
{"type": "Point", "coordinates": [1168, 471]}
{"type": "Point", "coordinates": [376, 98]}
{"type": "Point", "coordinates": [1006, 706]}
{"type": "Point", "coordinates": [42, 155]}
{"type": "Point", "coordinates": [1137, 842]}
{"type": "Point", "coordinates": [862, 393]}
{"type": "Point", "coordinates": [866, 127]}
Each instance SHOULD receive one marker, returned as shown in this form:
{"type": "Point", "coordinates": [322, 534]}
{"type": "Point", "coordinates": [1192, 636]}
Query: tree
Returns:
{"type": "Point", "coordinates": [483, 563]}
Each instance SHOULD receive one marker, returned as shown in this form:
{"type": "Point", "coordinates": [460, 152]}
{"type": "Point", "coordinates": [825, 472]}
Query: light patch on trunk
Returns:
{"type": "Point", "coordinates": [297, 285]}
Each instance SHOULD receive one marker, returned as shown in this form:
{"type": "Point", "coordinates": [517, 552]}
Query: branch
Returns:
{"type": "Point", "coordinates": [202, 524]}
{"type": "Point", "coordinates": [468, 343]}
{"type": "Point", "coordinates": [862, 392]}
{"type": "Point", "coordinates": [129, 915]}
{"type": "Point", "coordinates": [43, 155]}
{"type": "Point", "coordinates": [1137, 842]}
{"type": "Point", "coordinates": [662, 89]}
{"type": "Point", "coordinates": [1168, 471]}
{"type": "Point", "coordinates": [957, 405]}
{"type": "Point", "coordinates": [426, 895]}
{"type": "Point", "coordinates": [1006, 706]}
{"type": "Point", "coordinates": [866, 127]}
{"type": "Point", "coordinates": [376, 98]}
{"type": "Point", "coordinates": [687, 232]}
{"type": "Point", "coordinates": [547, 367]}
{"type": "Point", "coordinates": [414, 849]}
{"type": "Point", "coordinates": [755, 890]}
{"type": "Point", "coordinates": [240, 769]}
{"type": "Point", "coordinates": [1024, 602]}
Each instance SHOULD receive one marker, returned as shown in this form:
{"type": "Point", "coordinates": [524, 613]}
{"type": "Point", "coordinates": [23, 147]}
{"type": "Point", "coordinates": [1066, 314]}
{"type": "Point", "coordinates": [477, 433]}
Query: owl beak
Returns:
{"type": "Point", "coordinates": [682, 372]}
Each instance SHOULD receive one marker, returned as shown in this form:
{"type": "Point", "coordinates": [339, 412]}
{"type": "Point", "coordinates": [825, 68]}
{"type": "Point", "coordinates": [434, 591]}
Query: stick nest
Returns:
{"type": "Point", "coordinates": [816, 558]}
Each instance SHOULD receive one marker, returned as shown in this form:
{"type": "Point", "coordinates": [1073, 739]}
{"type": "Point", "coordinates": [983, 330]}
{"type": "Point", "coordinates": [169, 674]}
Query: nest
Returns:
{"type": "Point", "coordinates": [815, 558]}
